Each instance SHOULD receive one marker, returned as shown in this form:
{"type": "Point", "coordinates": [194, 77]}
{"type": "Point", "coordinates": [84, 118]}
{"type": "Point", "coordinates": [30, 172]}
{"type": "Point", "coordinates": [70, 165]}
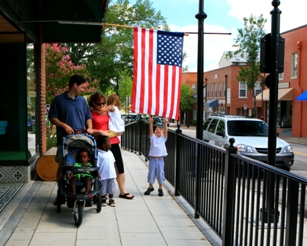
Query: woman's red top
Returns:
{"type": "Point", "coordinates": [101, 122]}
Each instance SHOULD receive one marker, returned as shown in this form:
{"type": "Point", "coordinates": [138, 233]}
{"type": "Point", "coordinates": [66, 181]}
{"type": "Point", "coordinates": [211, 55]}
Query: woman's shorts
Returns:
{"type": "Point", "coordinates": [118, 158]}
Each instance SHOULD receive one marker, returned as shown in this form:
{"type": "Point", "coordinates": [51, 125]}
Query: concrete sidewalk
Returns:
{"type": "Point", "coordinates": [31, 218]}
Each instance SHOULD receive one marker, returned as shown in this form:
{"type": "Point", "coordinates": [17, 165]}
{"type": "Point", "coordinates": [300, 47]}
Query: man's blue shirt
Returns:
{"type": "Point", "coordinates": [73, 112]}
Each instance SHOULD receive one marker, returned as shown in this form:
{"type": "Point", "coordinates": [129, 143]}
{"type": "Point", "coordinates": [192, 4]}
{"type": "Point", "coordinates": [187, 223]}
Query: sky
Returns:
{"type": "Point", "coordinates": [223, 16]}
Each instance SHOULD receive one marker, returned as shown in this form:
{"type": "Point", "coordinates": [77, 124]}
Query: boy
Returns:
{"type": "Point", "coordinates": [157, 152]}
{"type": "Point", "coordinates": [106, 171]}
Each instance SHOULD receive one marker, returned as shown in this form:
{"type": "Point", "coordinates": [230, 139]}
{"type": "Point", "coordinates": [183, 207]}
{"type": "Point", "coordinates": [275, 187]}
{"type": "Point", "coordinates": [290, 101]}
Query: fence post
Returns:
{"type": "Point", "coordinates": [140, 136]}
{"type": "Point", "coordinates": [177, 161]}
{"type": "Point", "coordinates": [292, 205]}
{"type": "Point", "coordinates": [197, 182]}
{"type": "Point", "coordinates": [229, 195]}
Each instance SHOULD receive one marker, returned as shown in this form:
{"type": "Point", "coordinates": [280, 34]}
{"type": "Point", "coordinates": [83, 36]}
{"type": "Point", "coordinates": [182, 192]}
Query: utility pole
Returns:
{"type": "Point", "coordinates": [225, 94]}
{"type": "Point", "coordinates": [200, 70]}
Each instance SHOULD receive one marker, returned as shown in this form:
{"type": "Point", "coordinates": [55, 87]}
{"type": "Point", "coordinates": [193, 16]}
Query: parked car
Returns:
{"type": "Point", "coordinates": [130, 118]}
{"type": "Point", "coordinates": [251, 138]}
{"type": "Point", "coordinates": [158, 121]}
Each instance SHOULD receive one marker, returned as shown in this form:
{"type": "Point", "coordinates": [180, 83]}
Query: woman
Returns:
{"type": "Point", "coordinates": [100, 118]}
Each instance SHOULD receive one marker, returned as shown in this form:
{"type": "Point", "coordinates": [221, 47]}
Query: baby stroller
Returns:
{"type": "Point", "coordinates": [70, 148]}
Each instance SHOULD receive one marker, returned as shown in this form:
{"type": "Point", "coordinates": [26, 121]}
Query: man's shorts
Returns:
{"type": "Point", "coordinates": [59, 156]}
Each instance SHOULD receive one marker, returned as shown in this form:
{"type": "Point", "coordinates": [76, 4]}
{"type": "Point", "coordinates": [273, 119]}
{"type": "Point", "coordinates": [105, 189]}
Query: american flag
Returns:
{"type": "Point", "coordinates": [157, 72]}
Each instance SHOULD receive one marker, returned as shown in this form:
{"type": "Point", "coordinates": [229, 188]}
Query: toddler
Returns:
{"type": "Point", "coordinates": [116, 124]}
{"type": "Point", "coordinates": [83, 158]}
{"type": "Point", "coordinates": [157, 152]}
{"type": "Point", "coordinates": [106, 171]}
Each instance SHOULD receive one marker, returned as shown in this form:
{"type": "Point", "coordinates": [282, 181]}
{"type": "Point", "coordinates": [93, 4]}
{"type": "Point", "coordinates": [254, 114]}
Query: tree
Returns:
{"type": "Point", "coordinates": [247, 43]}
{"type": "Point", "coordinates": [106, 60]}
{"type": "Point", "coordinates": [125, 88]}
{"type": "Point", "coordinates": [186, 100]}
{"type": "Point", "coordinates": [59, 69]}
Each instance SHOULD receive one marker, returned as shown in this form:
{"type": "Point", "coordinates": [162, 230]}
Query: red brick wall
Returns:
{"type": "Point", "coordinates": [43, 100]}
{"type": "Point", "coordinates": [296, 41]}
{"type": "Point", "coordinates": [235, 104]}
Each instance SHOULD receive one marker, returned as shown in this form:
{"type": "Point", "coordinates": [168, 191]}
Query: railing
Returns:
{"type": "Point", "coordinates": [244, 201]}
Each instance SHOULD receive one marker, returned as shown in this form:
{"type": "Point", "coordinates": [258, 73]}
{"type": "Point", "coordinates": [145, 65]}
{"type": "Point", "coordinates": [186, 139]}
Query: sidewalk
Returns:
{"type": "Point", "coordinates": [31, 218]}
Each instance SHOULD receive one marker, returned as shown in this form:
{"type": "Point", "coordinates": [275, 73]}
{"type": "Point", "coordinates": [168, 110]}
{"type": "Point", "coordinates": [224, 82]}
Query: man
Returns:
{"type": "Point", "coordinates": [69, 112]}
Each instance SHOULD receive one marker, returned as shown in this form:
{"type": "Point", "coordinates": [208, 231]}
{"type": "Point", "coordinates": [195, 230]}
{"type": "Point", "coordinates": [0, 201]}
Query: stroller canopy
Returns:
{"type": "Point", "coordinates": [78, 141]}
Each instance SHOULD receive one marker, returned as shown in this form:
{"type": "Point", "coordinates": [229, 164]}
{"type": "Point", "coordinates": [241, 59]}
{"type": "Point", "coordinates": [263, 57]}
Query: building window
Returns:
{"type": "Point", "coordinates": [220, 89]}
{"type": "Point", "coordinates": [281, 76]}
{"type": "Point", "coordinates": [212, 90]}
{"type": "Point", "coordinates": [294, 65]}
{"type": "Point", "coordinates": [215, 90]}
{"type": "Point", "coordinates": [242, 89]}
{"type": "Point", "coordinates": [225, 88]}
{"type": "Point", "coordinates": [208, 90]}
{"type": "Point", "coordinates": [257, 88]}
{"type": "Point", "coordinates": [215, 76]}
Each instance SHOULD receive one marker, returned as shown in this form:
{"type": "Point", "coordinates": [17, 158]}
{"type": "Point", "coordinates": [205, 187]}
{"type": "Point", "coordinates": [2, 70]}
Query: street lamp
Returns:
{"type": "Point", "coordinates": [225, 94]}
{"type": "Point", "coordinates": [262, 83]}
{"type": "Point", "coordinates": [206, 94]}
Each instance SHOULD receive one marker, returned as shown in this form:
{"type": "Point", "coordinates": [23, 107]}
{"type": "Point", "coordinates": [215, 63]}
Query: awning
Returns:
{"type": "Point", "coordinates": [283, 95]}
{"type": "Point", "coordinates": [302, 97]}
{"type": "Point", "coordinates": [212, 103]}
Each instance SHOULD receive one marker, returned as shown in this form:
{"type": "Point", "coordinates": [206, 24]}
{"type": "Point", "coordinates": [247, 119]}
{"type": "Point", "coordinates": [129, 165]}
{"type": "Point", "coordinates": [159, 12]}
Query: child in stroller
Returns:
{"type": "Point", "coordinates": [86, 177]}
{"type": "Point", "coordinates": [79, 193]}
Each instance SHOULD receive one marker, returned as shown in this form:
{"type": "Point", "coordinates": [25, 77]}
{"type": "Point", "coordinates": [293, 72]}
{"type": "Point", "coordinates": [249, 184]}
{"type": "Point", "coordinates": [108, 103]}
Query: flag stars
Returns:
{"type": "Point", "coordinates": [169, 50]}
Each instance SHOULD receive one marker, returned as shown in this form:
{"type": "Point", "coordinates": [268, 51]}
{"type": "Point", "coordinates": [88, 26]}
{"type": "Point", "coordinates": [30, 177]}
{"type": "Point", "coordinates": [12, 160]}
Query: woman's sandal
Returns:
{"type": "Point", "coordinates": [126, 196]}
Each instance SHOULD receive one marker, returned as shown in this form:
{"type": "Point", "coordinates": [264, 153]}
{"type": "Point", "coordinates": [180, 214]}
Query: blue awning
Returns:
{"type": "Point", "coordinates": [212, 103]}
{"type": "Point", "coordinates": [302, 97]}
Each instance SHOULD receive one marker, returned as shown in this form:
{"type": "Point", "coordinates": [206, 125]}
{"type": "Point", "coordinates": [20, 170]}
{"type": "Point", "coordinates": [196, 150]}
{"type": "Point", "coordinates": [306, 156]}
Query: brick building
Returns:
{"type": "Point", "coordinates": [295, 79]}
{"type": "Point", "coordinates": [219, 81]}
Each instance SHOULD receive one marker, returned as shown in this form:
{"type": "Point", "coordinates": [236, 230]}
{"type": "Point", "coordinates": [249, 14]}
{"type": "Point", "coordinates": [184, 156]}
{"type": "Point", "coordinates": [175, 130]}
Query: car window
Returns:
{"type": "Point", "coordinates": [207, 122]}
{"type": "Point", "coordinates": [221, 127]}
{"type": "Point", "coordinates": [212, 125]}
{"type": "Point", "coordinates": [247, 128]}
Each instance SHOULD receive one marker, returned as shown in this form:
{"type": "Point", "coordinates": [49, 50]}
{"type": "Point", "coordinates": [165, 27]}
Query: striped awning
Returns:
{"type": "Point", "coordinates": [283, 95]}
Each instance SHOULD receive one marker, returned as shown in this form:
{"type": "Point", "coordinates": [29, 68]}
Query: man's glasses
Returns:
{"type": "Point", "coordinates": [99, 104]}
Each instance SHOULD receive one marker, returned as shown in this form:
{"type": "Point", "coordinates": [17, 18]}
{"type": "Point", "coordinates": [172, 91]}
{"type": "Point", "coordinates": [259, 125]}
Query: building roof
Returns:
{"type": "Point", "coordinates": [54, 21]}
{"type": "Point", "coordinates": [235, 60]}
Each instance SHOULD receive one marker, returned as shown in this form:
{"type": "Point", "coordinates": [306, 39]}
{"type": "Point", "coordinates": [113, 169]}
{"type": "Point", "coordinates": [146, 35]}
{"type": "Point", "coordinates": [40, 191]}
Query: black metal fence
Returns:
{"type": "Point", "coordinates": [245, 202]}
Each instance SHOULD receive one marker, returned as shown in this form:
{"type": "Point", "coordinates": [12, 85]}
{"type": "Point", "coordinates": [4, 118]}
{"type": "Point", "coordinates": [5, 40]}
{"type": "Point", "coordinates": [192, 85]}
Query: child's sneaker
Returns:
{"type": "Point", "coordinates": [160, 191]}
{"type": "Point", "coordinates": [148, 191]}
{"type": "Point", "coordinates": [103, 202]}
{"type": "Point", "coordinates": [111, 203]}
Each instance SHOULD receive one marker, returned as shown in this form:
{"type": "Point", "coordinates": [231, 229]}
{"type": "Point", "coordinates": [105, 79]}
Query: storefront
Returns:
{"type": "Point", "coordinates": [34, 22]}
{"type": "Point", "coordinates": [285, 102]}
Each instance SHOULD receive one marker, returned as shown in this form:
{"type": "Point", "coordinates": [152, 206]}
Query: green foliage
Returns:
{"type": "Point", "coordinates": [125, 87]}
{"type": "Point", "coordinates": [51, 142]}
{"type": "Point", "coordinates": [186, 98]}
{"type": "Point", "coordinates": [247, 44]}
{"type": "Point", "coordinates": [107, 59]}
{"type": "Point", "coordinates": [59, 69]}
{"type": "Point", "coordinates": [193, 122]}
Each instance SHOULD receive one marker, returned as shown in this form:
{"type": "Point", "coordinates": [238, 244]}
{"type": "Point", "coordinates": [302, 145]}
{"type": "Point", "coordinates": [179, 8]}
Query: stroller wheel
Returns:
{"type": "Point", "coordinates": [98, 197]}
{"type": "Point", "coordinates": [78, 214]}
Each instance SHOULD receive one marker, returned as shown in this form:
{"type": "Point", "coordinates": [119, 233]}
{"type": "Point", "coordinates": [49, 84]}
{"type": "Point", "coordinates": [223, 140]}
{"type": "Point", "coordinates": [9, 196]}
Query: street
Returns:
{"type": "Point", "coordinates": [299, 167]}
